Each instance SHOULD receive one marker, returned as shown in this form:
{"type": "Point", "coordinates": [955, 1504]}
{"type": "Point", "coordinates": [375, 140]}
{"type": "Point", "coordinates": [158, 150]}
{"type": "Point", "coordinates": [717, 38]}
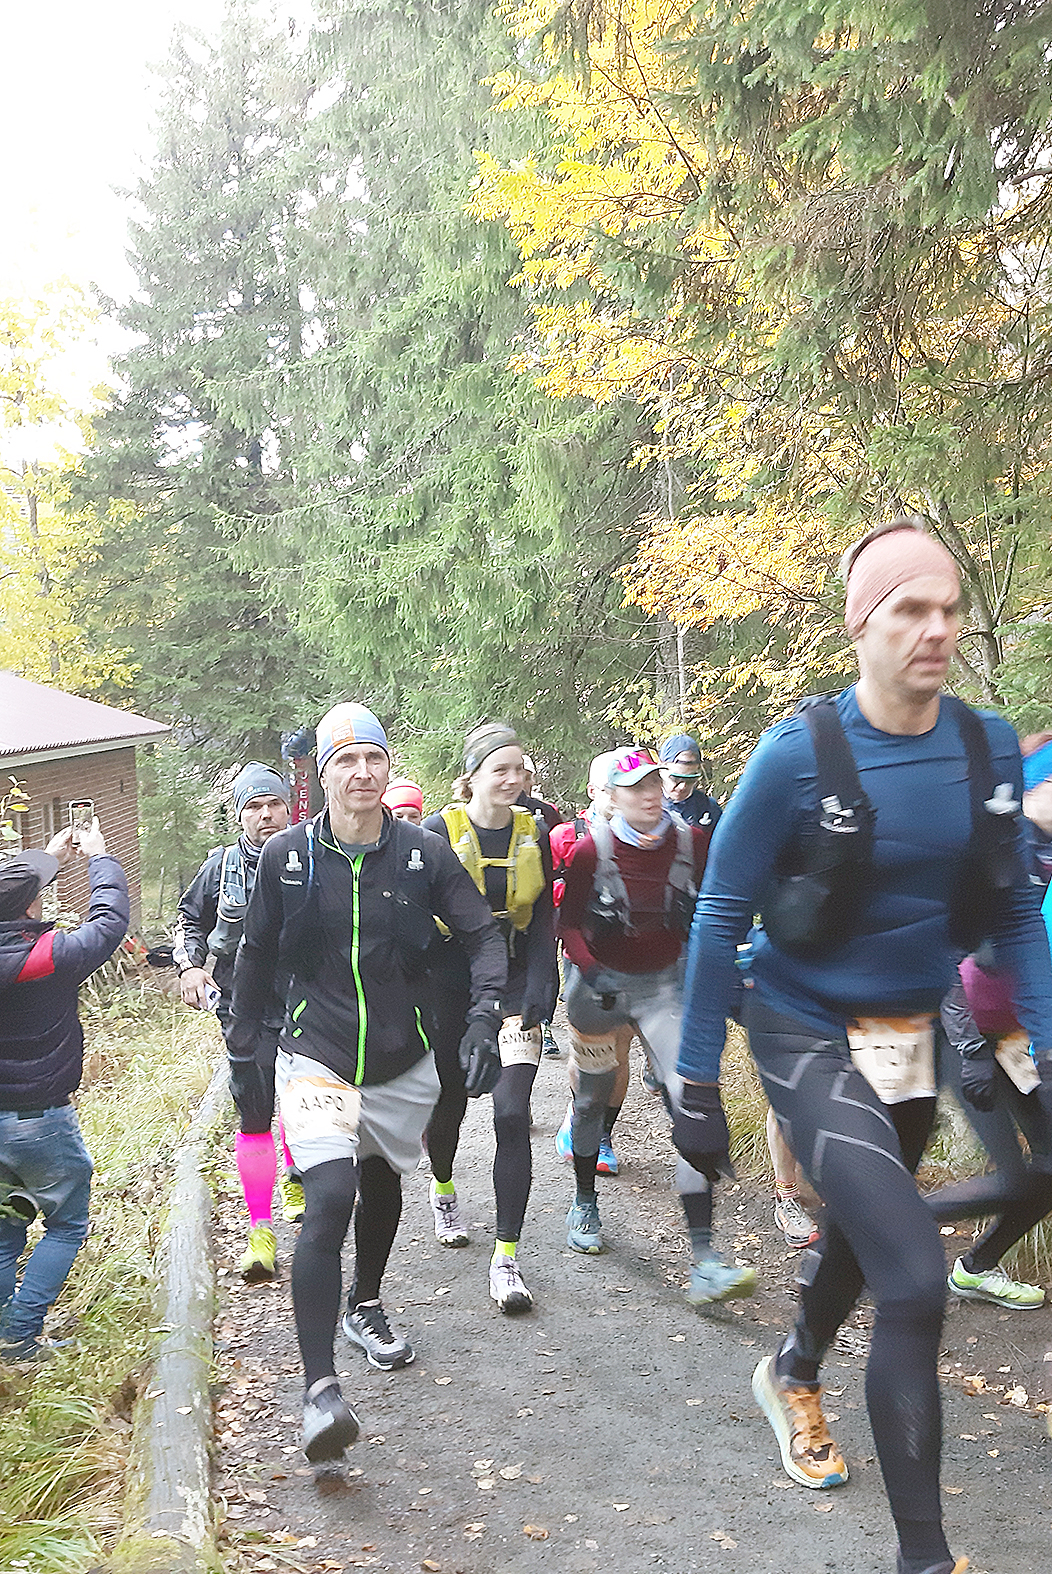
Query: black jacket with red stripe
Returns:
{"type": "Point", "coordinates": [41, 969]}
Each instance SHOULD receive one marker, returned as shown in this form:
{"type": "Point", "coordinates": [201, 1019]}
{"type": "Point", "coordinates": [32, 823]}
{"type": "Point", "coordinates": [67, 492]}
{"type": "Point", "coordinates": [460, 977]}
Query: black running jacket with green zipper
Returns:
{"type": "Point", "coordinates": [349, 939]}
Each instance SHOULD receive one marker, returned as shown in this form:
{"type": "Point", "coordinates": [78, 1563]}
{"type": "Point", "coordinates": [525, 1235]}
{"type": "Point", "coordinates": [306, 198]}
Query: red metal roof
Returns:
{"type": "Point", "coordinates": [34, 718]}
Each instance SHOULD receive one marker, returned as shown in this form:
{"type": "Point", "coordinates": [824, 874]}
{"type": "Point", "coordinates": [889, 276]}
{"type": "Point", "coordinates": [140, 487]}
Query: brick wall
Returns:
{"type": "Point", "coordinates": [109, 779]}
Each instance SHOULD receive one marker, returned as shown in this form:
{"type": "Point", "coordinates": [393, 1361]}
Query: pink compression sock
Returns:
{"type": "Point", "coordinates": [257, 1166]}
{"type": "Point", "coordinates": [285, 1147]}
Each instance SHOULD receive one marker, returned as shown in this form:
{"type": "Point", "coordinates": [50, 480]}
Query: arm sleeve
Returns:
{"type": "Point", "coordinates": [256, 962]}
{"type": "Point", "coordinates": [1021, 941]}
{"type": "Point", "coordinates": [198, 910]}
{"type": "Point", "coordinates": [79, 952]}
{"type": "Point", "coordinates": [760, 819]}
{"type": "Point", "coordinates": [960, 1026]}
{"type": "Point", "coordinates": [459, 903]}
{"type": "Point", "coordinates": [579, 875]}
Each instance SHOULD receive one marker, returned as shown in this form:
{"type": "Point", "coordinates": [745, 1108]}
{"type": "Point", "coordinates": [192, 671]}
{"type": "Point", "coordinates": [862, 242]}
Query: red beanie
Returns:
{"type": "Point", "coordinates": [888, 562]}
{"type": "Point", "coordinates": [404, 795]}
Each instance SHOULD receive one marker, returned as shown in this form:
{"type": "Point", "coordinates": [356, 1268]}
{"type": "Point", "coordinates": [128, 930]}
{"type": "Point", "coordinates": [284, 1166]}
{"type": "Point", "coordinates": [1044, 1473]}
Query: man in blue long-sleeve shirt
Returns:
{"type": "Point", "coordinates": [878, 983]}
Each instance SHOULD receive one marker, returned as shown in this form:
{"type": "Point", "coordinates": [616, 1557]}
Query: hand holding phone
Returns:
{"type": "Point", "coordinates": [81, 815]}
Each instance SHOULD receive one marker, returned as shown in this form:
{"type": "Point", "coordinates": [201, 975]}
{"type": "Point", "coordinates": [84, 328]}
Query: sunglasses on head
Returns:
{"type": "Point", "coordinates": [633, 759]}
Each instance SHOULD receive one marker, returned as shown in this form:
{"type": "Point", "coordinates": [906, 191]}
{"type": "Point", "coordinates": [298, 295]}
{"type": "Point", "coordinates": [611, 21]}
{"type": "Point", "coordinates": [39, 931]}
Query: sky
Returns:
{"type": "Point", "coordinates": [76, 121]}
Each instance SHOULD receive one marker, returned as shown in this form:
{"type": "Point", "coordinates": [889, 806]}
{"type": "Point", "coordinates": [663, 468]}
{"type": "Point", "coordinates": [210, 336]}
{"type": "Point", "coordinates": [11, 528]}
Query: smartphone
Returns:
{"type": "Point", "coordinates": [81, 815]}
{"type": "Point", "coordinates": [212, 997]}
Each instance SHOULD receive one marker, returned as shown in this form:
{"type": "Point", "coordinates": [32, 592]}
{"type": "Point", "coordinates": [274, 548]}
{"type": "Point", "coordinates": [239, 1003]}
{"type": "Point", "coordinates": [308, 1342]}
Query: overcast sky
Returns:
{"type": "Point", "coordinates": [75, 121]}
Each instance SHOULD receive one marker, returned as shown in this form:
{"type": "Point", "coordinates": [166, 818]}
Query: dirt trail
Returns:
{"type": "Point", "coordinates": [613, 1429]}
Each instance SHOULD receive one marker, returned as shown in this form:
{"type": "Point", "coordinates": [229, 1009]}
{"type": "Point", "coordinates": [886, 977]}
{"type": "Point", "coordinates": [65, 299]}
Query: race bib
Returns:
{"type": "Point", "coordinates": [314, 1107]}
{"type": "Point", "coordinates": [594, 1053]}
{"type": "Point", "coordinates": [519, 1046]}
{"type": "Point", "coordinates": [896, 1055]}
{"type": "Point", "coordinates": [1016, 1061]}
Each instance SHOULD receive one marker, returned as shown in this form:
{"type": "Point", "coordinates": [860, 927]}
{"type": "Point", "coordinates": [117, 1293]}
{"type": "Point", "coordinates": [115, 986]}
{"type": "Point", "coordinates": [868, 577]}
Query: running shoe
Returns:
{"type": "Point", "coordinates": [366, 1326]}
{"type": "Point", "coordinates": [809, 1455]}
{"type": "Point", "coordinates": [507, 1288]}
{"type": "Point", "coordinates": [449, 1227]}
{"type": "Point", "coordinates": [994, 1285]}
{"type": "Point", "coordinates": [260, 1256]}
{"type": "Point", "coordinates": [293, 1202]}
{"type": "Point", "coordinates": [549, 1043]}
{"type": "Point", "coordinates": [794, 1221]}
{"type": "Point", "coordinates": [712, 1279]}
{"type": "Point", "coordinates": [583, 1229]}
{"type": "Point", "coordinates": [606, 1164]}
{"type": "Point", "coordinates": [329, 1423]}
{"type": "Point", "coordinates": [648, 1081]}
{"type": "Point", "coordinates": [564, 1137]}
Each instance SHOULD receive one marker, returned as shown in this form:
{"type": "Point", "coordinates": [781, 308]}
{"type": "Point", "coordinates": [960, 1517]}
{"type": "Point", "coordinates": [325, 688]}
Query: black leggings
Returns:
{"type": "Point", "coordinates": [330, 1190]}
{"type": "Point", "coordinates": [513, 1159]}
{"type": "Point", "coordinates": [858, 1155]}
{"type": "Point", "coordinates": [1018, 1194]}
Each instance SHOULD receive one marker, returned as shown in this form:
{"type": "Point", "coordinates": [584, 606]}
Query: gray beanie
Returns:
{"type": "Point", "coordinates": [484, 741]}
{"type": "Point", "coordinates": [257, 781]}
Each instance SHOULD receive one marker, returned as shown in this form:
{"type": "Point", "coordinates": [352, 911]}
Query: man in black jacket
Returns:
{"type": "Point", "coordinates": [44, 1165]}
{"type": "Point", "coordinates": [342, 909]}
{"type": "Point", "coordinates": [211, 915]}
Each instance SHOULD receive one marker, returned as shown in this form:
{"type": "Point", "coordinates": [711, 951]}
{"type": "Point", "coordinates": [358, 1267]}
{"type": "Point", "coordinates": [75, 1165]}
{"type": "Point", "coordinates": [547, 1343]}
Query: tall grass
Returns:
{"type": "Point", "coordinates": [65, 1424]}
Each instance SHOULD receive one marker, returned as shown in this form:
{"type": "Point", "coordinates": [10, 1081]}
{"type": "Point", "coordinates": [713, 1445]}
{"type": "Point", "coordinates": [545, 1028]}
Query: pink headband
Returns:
{"type": "Point", "coordinates": [887, 563]}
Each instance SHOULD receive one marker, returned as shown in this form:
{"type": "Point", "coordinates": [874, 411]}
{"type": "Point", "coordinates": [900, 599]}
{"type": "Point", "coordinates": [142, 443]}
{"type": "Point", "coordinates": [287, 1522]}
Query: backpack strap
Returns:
{"type": "Point", "coordinates": [981, 782]}
{"type": "Point", "coordinates": [837, 773]}
{"type": "Point", "coordinates": [607, 875]}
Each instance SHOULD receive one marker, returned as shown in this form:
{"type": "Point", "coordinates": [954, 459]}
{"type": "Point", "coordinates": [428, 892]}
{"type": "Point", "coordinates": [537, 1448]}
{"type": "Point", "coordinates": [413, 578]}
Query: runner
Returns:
{"type": "Point", "coordinates": [211, 916]}
{"type": "Point", "coordinates": [405, 801]}
{"type": "Point", "coordinates": [867, 950]}
{"type": "Point", "coordinates": [508, 858]}
{"type": "Point", "coordinates": [563, 840]}
{"type": "Point", "coordinates": [630, 891]}
{"type": "Point", "coordinates": [988, 1067]}
{"type": "Point", "coordinates": [993, 1077]}
{"type": "Point", "coordinates": [681, 779]}
{"type": "Point", "coordinates": [342, 908]}
{"type": "Point", "coordinates": [790, 1216]}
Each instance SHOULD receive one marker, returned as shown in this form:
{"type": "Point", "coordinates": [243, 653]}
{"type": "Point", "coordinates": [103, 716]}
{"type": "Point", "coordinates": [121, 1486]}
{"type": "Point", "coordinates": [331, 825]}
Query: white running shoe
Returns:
{"type": "Point", "coordinates": [449, 1227]}
{"type": "Point", "coordinates": [507, 1288]}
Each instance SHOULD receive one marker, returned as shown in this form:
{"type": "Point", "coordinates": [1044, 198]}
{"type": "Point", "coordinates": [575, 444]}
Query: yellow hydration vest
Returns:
{"type": "Point", "coordinates": [523, 863]}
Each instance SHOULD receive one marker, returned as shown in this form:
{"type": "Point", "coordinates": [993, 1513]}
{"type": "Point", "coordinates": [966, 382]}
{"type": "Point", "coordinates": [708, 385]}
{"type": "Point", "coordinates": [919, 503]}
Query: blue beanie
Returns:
{"type": "Point", "coordinates": [680, 744]}
{"type": "Point", "coordinates": [347, 723]}
{"type": "Point", "coordinates": [257, 781]}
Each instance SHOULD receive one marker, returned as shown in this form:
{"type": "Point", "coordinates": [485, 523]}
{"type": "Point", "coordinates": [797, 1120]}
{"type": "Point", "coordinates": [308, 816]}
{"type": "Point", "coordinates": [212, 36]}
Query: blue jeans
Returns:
{"type": "Point", "coordinates": [51, 1163]}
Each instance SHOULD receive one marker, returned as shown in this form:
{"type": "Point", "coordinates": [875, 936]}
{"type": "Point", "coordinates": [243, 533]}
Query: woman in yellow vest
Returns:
{"type": "Point", "coordinates": [508, 857]}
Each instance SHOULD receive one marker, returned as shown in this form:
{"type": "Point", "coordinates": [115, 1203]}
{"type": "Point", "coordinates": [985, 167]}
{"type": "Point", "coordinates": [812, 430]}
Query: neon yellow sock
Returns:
{"type": "Point", "coordinates": [503, 1249]}
{"type": "Point", "coordinates": [444, 1188]}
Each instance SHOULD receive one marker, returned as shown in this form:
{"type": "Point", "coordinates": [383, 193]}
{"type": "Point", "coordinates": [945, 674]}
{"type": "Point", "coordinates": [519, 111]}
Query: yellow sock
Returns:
{"type": "Point", "coordinates": [444, 1188]}
{"type": "Point", "coordinates": [503, 1249]}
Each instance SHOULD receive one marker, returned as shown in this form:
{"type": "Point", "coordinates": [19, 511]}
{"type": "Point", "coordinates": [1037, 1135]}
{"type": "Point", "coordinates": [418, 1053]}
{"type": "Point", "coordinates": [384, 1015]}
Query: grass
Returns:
{"type": "Point", "coordinates": [65, 1425]}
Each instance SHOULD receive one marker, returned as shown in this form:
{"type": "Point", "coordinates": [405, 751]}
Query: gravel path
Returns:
{"type": "Point", "coordinates": [613, 1428]}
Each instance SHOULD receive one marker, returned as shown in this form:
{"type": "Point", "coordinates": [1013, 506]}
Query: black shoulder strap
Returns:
{"type": "Point", "coordinates": [837, 772]}
{"type": "Point", "coordinates": [980, 761]}
{"type": "Point", "coordinates": [580, 827]}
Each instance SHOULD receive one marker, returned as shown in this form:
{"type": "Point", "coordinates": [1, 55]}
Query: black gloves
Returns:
{"type": "Point", "coordinates": [251, 1094]}
{"type": "Point", "coordinates": [480, 1055]}
{"type": "Point", "coordinates": [979, 1081]}
{"type": "Point", "coordinates": [699, 1130]}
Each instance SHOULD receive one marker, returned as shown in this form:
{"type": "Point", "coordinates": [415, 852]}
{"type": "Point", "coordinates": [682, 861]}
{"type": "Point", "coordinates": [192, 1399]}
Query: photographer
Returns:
{"type": "Point", "coordinates": [43, 1160]}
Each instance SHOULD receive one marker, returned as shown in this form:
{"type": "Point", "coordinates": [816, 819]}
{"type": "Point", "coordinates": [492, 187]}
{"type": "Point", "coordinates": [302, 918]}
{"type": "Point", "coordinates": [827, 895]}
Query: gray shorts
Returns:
{"type": "Point", "coordinates": [326, 1118]}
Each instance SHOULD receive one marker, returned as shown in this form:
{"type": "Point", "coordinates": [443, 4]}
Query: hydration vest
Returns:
{"type": "Point", "coordinates": [812, 904]}
{"type": "Point", "coordinates": [237, 876]}
{"type": "Point", "coordinates": [609, 915]}
{"type": "Point", "coordinates": [525, 877]}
